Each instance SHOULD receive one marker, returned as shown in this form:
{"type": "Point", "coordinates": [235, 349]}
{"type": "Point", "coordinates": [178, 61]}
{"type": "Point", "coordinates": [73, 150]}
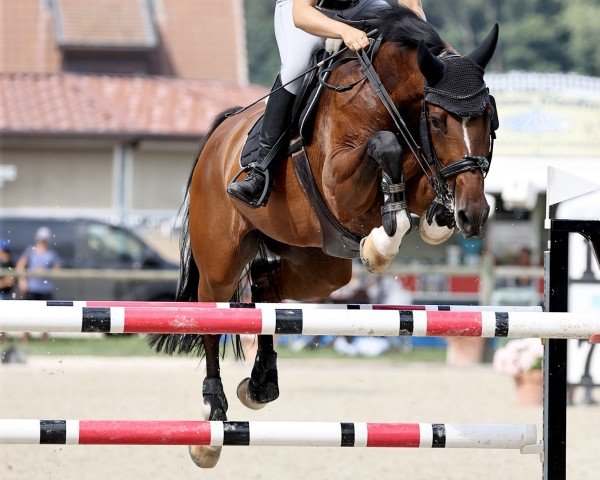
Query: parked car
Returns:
{"type": "Point", "coordinates": [93, 244]}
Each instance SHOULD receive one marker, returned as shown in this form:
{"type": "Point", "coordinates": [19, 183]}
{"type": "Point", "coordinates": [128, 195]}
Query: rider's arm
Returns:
{"type": "Point", "coordinates": [414, 5]}
{"type": "Point", "coordinates": [309, 19]}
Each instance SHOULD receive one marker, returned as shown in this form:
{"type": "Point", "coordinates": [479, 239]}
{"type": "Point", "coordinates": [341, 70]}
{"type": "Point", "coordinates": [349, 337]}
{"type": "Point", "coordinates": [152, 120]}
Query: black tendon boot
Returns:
{"type": "Point", "coordinates": [273, 137]}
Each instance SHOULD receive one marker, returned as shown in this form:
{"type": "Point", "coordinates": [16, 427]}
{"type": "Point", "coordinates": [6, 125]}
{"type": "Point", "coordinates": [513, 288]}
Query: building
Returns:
{"type": "Point", "coordinates": [180, 38]}
{"type": "Point", "coordinates": [116, 147]}
{"type": "Point", "coordinates": [103, 104]}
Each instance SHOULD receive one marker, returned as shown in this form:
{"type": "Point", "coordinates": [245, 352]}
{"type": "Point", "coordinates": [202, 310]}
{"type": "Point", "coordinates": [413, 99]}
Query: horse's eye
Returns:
{"type": "Point", "coordinates": [436, 123]}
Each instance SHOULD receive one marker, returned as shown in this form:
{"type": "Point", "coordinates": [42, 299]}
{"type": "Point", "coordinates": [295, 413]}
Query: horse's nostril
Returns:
{"type": "Point", "coordinates": [463, 218]}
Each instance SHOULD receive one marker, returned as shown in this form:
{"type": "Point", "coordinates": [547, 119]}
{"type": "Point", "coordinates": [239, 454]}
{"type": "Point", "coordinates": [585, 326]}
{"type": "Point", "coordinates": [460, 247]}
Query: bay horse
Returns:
{"type": "Point", "coordinates": [355, 143]}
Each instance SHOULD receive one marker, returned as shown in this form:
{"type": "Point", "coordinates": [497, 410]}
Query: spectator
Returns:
{"type": "Point", "coordinates": [524, 260]}
{"type": "Point", "coordinates": [38, 257]}
{"type": "Point", "coordinates": [7, 282]}
{"type": "Point", "coordinates": [11, 354]}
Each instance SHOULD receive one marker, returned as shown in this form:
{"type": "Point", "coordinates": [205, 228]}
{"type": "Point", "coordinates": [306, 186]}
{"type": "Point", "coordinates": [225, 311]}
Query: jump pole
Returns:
{"type": "Point", "coordinates": [417, 323]}
{"type": "Point", "coordinates": [269, 434]}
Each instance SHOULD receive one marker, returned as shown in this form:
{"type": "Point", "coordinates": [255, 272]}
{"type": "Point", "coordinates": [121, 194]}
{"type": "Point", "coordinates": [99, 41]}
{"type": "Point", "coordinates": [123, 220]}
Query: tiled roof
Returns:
{"type": "Point", "coordinates": [108, 23]}
{"type": "Point", "coordinates": [95, 105]}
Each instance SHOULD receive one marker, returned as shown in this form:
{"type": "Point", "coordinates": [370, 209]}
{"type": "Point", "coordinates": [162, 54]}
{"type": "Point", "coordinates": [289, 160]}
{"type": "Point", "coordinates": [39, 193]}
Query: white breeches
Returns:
{"type": "Point", "coordinates": [296, 46]}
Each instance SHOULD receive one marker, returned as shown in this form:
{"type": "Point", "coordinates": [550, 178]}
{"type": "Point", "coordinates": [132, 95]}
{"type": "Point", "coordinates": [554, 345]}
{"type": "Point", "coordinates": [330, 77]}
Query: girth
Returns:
{"type": "Point", "coordinates": [337, 240]}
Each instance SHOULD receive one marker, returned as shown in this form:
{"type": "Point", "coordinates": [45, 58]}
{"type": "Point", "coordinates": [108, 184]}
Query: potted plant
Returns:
{"type": "Point", "coordinates": [522, 359]}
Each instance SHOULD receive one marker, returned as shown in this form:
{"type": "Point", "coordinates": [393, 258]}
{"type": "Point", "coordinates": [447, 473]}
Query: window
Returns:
{"type": "Point", "coordinates": [109, 246]}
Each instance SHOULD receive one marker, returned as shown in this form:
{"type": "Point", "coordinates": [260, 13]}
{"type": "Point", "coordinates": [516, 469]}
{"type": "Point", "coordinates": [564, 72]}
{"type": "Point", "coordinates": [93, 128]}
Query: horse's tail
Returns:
{"type": "Point", "coordinates": [189, 276]}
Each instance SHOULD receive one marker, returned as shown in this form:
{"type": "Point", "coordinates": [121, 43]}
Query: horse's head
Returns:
{"type": "Point", "coordinates": [458, 118]}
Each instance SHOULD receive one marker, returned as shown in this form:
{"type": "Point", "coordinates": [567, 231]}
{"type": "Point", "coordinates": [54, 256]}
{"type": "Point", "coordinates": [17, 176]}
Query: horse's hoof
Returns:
{"type": "Point", "coordinates": [205, 456]}
{"type": "Point", "coordinates": [434, 234]}
{"type": "Point", "coordinates": [244, 395]}
{"type": "Point", "coordinates": [371, 258]}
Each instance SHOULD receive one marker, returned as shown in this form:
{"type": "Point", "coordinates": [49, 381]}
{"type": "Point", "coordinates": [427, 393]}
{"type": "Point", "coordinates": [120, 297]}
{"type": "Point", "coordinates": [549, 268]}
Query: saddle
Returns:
{"type": "Point", "coordinates": [337, 240]}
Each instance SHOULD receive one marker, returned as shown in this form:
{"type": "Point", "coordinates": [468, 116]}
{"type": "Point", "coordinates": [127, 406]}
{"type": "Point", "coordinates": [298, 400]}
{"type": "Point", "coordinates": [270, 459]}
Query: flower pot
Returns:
{"type": "Point", "coordinates": [464, 350]}
{"type": "Point", "coordinates": [530, 388]}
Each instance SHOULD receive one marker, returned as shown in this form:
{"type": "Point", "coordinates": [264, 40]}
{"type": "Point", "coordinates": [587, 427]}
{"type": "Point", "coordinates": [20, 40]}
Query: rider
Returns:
{"type": "Point", "coordinates": [300, 28]}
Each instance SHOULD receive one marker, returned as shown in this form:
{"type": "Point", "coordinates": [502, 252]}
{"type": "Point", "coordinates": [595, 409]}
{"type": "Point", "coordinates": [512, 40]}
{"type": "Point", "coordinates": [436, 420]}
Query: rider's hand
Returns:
{"type": "Point", "coordinates": [354, 38]}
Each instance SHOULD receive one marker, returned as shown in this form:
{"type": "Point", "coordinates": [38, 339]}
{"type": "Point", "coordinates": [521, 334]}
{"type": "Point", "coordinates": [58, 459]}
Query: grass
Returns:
{"type": "Point", "coordinates": [135, 345]}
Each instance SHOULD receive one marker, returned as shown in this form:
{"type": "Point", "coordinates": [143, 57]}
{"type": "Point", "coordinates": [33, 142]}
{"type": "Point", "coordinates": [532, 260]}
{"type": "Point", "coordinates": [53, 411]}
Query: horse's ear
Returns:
{"type": "Point", "coordinates": [431, 67]}
{"type": "Point", "coordinates": [484, 52]}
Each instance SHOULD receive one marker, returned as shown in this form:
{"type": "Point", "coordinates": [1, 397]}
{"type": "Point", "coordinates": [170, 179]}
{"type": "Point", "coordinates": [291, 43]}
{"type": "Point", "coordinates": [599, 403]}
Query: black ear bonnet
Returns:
{"type": "Point", "coordinates": [461, 89]}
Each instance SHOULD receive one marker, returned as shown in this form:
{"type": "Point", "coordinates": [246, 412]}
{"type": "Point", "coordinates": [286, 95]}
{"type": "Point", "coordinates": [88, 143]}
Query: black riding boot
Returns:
{"type": "Point", "coordinates": [274, 127]}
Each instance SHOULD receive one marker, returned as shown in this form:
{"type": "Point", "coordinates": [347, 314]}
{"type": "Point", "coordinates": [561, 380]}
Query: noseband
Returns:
{"type": "Point", "coordinates": [468, 163]}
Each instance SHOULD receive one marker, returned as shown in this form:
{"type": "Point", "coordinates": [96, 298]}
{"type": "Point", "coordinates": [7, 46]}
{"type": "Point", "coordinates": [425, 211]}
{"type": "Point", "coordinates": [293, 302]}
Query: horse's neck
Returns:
{"type": "Point", "coordinates": [347, 121]}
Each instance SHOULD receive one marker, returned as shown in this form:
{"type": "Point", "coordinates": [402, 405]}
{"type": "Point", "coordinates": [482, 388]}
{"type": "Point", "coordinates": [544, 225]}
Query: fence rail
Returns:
{"type": "Point", "coordinates": [486, 272]}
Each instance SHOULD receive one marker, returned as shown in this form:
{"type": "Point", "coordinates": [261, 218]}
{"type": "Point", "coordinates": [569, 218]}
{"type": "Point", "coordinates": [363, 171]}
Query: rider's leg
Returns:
{"type": "Point", "coordinates": [295, 49]}
{"type": "Point", "coordinates": [275, 123]}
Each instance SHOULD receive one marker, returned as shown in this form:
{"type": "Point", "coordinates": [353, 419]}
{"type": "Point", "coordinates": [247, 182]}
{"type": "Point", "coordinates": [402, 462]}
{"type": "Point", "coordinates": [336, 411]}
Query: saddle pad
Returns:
{"type": "Point", "coordinates": [302, 119]}
{"type": "Point", "coordinates": [250, 149]}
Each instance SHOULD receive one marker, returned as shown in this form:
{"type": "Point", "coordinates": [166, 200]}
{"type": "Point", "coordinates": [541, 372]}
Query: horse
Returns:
{"type": "Point", "coordinates": [357, 158]}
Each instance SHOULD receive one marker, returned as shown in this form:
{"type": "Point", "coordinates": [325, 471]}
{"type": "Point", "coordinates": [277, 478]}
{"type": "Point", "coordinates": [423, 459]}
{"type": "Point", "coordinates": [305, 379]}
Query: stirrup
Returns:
{"type": "Point", "coordinates": [262, 200]}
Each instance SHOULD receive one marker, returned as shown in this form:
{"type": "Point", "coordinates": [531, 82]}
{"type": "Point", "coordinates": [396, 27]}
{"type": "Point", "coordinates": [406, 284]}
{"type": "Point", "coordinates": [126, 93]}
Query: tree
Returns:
{"type": "Point", "coordinates": [535, 35]}
{"type": "Point", "coordinates": [582, 18]}
{"type": "Point", "coordinates": [263, 57]}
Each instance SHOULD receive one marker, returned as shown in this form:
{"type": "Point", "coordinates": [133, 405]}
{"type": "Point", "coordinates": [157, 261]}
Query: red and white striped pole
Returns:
{"type": "Point", "coordinates": [309, 321]}
{"type": "Point", "coordinates": [297, 434]}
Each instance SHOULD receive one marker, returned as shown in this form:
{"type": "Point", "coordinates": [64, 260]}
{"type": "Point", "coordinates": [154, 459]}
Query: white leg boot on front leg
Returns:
{"type": "Point", "coordinates": [434, 234]}
{"type": "Point", "coordinates": [377, 250]}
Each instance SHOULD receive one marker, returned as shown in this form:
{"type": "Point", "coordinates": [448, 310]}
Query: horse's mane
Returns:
{"type": "Point", "coordinates": [402, 25]}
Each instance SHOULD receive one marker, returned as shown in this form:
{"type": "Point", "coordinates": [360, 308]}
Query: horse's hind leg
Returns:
{"type": "Point", "coordinates": [262, 386]}
{"type": "Point", "coordinates": [217, 284]}
{"type": "Point", "coordinates": [215, 402]}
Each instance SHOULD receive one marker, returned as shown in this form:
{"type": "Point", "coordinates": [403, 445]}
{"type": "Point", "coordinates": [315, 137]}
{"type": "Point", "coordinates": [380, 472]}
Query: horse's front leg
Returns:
{"type": "Point", "coordinates": [379, 248]}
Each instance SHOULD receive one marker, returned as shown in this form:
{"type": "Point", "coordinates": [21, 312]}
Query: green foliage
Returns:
{"type": "Point", "coordinates": [535, 35]}
{"type": "Point", "coordinates": [582, 19]}
{"type": "Point", "coordinates": [263, 57]}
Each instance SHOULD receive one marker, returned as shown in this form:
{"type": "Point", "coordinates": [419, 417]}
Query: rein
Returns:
{"type": "Point", "coordinates": [303, 74]}
{"type": "Point", "coordinates": [425, 153]}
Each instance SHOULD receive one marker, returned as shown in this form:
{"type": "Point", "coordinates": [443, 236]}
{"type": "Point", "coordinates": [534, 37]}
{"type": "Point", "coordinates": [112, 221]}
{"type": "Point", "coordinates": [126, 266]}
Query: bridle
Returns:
{"type": "Point", "coordinates": [468, 163]}
{"type": "Point", "coordinates": [437, 174]}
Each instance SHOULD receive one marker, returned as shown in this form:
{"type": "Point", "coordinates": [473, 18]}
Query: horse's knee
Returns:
{"type": "Point", "coordinates": [385, 149]}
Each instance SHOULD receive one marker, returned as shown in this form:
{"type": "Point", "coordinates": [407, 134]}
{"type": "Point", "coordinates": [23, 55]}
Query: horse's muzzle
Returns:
{"type": "Point", "coordinates": [471, 221]}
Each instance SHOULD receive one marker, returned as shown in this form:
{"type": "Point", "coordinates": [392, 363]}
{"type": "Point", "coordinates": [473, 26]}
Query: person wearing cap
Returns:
{"type": "Point", "coordinates": [6, 283]}
{"type": "Point", "coordinates": [38, 257]}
